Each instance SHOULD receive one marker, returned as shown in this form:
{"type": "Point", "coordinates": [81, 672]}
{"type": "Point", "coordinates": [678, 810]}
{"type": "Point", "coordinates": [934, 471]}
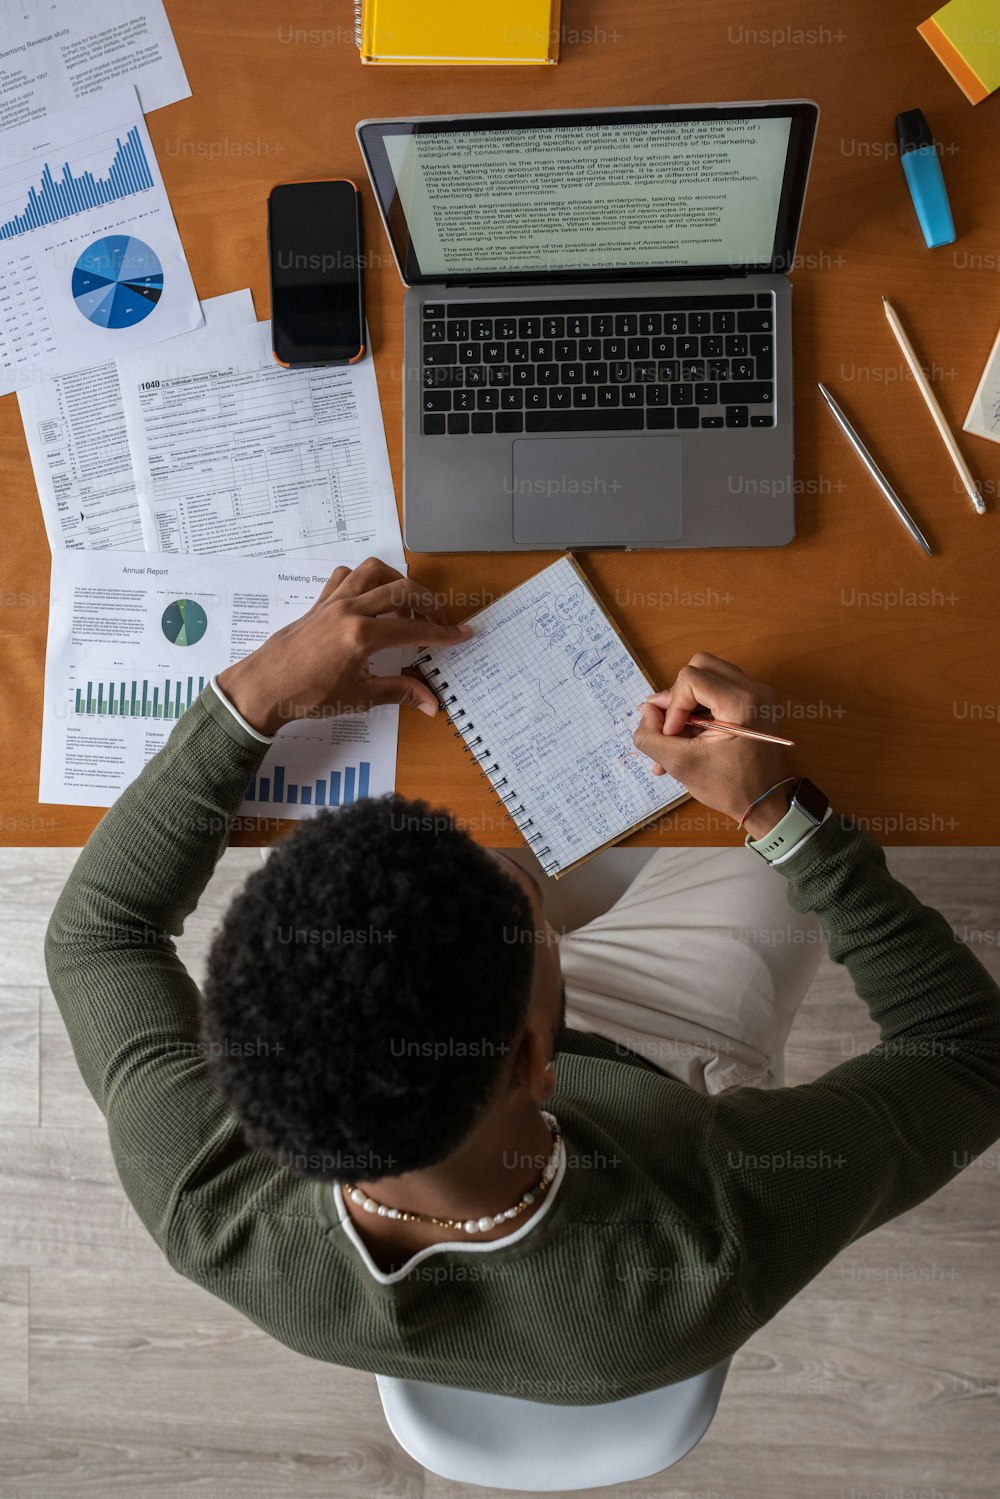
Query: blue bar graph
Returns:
{"type": "Point", "coordinates": [325, 791]}
{"type": "Point", "coordinates": [51, 200]}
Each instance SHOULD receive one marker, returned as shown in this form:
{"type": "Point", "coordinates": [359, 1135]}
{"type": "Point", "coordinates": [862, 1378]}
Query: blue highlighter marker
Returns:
{"type": "Point", "coordinates": [923, 174]}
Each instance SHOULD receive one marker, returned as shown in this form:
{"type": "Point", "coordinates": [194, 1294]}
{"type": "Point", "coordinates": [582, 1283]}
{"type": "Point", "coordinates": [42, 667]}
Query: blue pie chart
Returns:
{"type": "Point", "coordinates": [117, 281]}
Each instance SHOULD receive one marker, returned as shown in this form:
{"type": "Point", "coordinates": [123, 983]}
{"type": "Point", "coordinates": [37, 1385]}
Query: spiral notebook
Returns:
{"type": "Point", "coordinates": [544, 696]}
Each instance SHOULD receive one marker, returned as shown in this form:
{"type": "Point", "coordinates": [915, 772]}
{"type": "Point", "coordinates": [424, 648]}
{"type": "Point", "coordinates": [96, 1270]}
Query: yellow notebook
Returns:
{"type": "Point", "coordinates": [965, 36]}
{"type": "Point", "coordinates": [457, 31]}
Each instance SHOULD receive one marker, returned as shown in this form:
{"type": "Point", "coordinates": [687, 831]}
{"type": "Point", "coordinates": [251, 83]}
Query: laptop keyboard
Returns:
{"type": "Point", "coordinates": [626, 365]}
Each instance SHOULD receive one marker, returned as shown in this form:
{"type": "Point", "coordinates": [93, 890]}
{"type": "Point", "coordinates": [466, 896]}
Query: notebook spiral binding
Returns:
{"type": "Point", "coordinates": [506, 794]}
{"type": "Point", "coordinates": [359, 8]}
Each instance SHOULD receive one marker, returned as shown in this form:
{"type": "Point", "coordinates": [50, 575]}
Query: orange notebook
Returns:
{"type": "Point", "coordinates": [503, 33]}
{"type": "Point", "coordinates": [965, 36]}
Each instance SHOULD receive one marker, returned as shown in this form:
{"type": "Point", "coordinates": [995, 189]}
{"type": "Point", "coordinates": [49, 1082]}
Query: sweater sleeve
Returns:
{"type": "Point", "coordinates": [128, 1002]}
{"type": "Point", "coordinates": [803, 1172]}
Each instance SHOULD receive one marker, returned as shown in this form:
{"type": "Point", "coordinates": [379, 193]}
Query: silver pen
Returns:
{"type": "Point", "coordinates": [875, 471]}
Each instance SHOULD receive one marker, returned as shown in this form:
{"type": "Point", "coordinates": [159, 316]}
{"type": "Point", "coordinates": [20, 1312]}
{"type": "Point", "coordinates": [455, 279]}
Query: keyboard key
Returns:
{"type": "Point", "coordinates": [650, 371]}
{"type": "Point", "coordinates": [522, 374]}
{"type": "Point", "coordinates": [572, 374]}
{"type": "Point", "coordinates": [457, 425]}
{"type": "Point", "coordinates": [614, 348]}
{"type": "Point", "coordinates": [434, 426]}
{"type": "Point", "coordinates": [712, 421]}
{"type": "Point", "coordinates": [650, 323]}
{"type": "Point", "coordinates": [668, 370]}
{"type": "Point", "coordinates": [736, 416]}
{"type": "Point", "coordinates": [608, 396]}
{"type": "Point", "coordinates": [529, 327]}
{"type": "Point", "coordinates": [717, 369]}
{"type": "Point", "coordinates": [547, 374]}
{"type": "Point", "coordinates": [487, 400]}
{"type": "Point", "coordinates": [553, 327]}
{"type": "Point", "coordinates": [505, 327]}
{"type": "Point", "coordinates": [692, 369]}
{"type": "Point", "coordinates": [660, 418]}
{"type": "Point", "coordinates": [711, 347]}
{"type": "Point", "coordinates": [441, 354]}
{"type": "Point", "coordinates": [638, 348]}
{"type": "Point", "coordinates": [631, 395]}
{"type": "Point", "coordinates": [541, 351]}
{"type": "Point", "coordinates": [620, 373]}
{"type": "Point", "coordinates": [560, 397]}
{"type": "Point", "coordinates": [723, 322]}
{"type": "Point", "coordinates": [434, 332]}
{"type": "Point", "coordinates": [601, 325]}
{"type": "Point", "coordinates": [444, 377]}
{"type": "Point", "coordinates": [675, 322]}
{"type": "Point", "coordinates": [499, 374]}
{"type": "Point", "coordinates": [511, 400]}
{"type": "Point", "coordinates": [577, 421]}
{"type": "Point", "coordinates": [762, 421]}
{"type": "Point", "coordinates": [458, 330]}
{"type": "Point", "coordinates": [578, 327]}
{"type": "Point", "coordinates": [482, 421]}
{"type": "Point", "coordinates": [662, 348]}
{"type": "Point", "coordinates": [509, 421]}
{"type": "Point", "coordinates": [433, 310]}
{"type": "Point", "coordinates": [437, 400]}
{"type": "Point", "coordinates": [518, 353]}
{"type": "Point", "coordinates": [688, 348]}
{"type": "Point", "coordinates": [595, 374]}
{"type": "Point", "coordinates": [762, 350]}
{"type": "Point", "coordinates": [565, 349]}
{"type": "Point", "coordinates": [746, 392]}
{"type": "Point", "coordinates": [464, 400]}
{"type": "Point", "coordinates": [584, 395]}
{"type": "Point", "coordinates": [742, 369]}
{"type": "Point", "coordinates": [626, 324]}
{"type": "Point", "coordinates": [470, 353]}
{"type": "Point", "coordinates": [688, 417]}
{"type": "Point", "coordinates": [754, 322]}
{"type": "Point", "coordinates": [699, 322]}
{"type": "Point", "coordinates": [681, 395]}
{"type": "Point", "coordinates": [534, 399]}
{"type": "Point", "coordinates": [480, 328]}
{"type": "Point", "coordinates": [590, 348]}
{"type": "Point", "coordinates": [736, 345]}
{"type": "Point", "coordinates": [657, 395]}
{"type": "Point", "coordinates": [477, 374]}
{"type": "Point", "coordinates": [706, 395]}
{"type": "Point", "coordinates": [493, 353]}
{"type": "Point", "coordinates": [764, 299]}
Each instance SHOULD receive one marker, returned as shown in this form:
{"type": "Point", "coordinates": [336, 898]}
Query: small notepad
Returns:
{"type": "Point", "coordinates": [984, 413]}
{"type": "Point", "coordinates": [545, 695]}
{"type": "Point", "coordinates": [457, 31]}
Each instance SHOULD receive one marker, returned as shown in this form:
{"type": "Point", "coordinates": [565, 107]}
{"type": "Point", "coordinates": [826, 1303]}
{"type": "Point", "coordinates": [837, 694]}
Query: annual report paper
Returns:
{"type": "Point", "coordinates": [57, 52]}
{"type": "Point", "coordinates": [234, 453]}
{"type": "Point", "coordinates": [74, 426]}
{"type": "Point", "coordinates": [135, 637]}
{"type": "Point", "coordinates": [91, 264]}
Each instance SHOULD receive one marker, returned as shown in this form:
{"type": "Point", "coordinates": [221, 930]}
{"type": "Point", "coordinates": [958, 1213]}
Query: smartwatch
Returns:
{"type": "Point", "coordinates": [808, 809]}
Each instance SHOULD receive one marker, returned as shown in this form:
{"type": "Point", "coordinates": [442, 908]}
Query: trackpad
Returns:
{"type": "Point", "coordinates": [597, 491]}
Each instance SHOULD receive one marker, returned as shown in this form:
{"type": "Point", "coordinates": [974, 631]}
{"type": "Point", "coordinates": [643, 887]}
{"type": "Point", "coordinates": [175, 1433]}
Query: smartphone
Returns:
{"type": "Point", "coordinates": [317, 275]}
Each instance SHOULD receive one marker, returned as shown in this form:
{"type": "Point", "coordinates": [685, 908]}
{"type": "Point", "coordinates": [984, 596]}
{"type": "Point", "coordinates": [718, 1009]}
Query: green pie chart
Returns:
{"type": "Point", "coordinates": [184, 622]}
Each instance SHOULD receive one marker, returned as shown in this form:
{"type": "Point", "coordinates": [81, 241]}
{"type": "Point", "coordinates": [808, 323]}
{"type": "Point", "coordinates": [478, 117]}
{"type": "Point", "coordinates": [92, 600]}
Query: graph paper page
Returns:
{"type": "Point", "coordinates": [545, 695]}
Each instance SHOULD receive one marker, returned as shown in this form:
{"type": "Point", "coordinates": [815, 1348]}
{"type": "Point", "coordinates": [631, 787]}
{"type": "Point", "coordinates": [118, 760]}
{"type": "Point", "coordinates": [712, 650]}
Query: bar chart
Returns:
{"type": "Point", "coordinates": [52, 200]}
{"type": "Point", "coordinates": [140, 697]}
{"type": "Point", "coordinates": [338, 789]}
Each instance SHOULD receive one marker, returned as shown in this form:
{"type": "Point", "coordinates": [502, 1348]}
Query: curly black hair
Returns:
{"type": "Point", "coordinates": [365, 989]}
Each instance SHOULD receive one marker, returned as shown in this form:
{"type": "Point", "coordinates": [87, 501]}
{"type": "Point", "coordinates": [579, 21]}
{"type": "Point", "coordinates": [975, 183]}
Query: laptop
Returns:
{"type": "Point", "coordinates": [598, 341]}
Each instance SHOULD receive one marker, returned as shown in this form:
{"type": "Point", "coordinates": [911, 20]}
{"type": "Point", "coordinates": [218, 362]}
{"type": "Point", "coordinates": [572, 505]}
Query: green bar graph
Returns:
{"type": "Point", "coordinates": [131, 699]}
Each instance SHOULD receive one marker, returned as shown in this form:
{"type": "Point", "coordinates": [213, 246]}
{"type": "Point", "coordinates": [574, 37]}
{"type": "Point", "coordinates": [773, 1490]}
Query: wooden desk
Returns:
{"type": "Point", "coordinates": [889, 662]}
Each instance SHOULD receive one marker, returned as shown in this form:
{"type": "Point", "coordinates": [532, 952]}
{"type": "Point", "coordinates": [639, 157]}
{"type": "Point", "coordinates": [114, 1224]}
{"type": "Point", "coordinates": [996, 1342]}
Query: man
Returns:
{"type": "Point", "coordinates": [387, 1147]}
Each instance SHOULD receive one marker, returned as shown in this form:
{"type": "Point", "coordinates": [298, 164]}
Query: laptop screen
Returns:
{"type": "Point", "coordinates": [601, 195]}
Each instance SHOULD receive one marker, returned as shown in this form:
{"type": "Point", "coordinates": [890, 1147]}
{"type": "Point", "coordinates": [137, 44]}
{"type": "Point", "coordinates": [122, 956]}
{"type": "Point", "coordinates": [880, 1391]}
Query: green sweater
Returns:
{"type": "Point", "coordinates": [640, 1273]}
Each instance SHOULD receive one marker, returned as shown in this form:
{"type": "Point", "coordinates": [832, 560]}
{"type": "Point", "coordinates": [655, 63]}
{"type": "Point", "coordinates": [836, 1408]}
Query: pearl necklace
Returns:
{"type": "Point", "coordinates": [467, 1225]}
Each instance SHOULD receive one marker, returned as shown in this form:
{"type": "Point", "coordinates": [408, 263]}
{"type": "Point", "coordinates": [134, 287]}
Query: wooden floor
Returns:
{"type": "Point", "coordinates": [118, 1378]}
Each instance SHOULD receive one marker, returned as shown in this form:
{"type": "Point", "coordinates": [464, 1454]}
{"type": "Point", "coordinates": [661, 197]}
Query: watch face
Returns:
{"type": "Point", "coordinates": [811, 800]}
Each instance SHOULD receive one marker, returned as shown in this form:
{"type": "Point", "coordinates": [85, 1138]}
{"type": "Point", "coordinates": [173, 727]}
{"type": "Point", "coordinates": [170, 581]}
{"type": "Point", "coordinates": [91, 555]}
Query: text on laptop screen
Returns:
{"type": "Point", "coordinates": [601, 197]}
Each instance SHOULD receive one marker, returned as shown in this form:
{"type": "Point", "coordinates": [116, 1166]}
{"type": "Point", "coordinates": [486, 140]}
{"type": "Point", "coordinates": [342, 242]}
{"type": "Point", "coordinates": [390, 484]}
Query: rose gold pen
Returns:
{"type": "Point", "coordinates": [696, 722]}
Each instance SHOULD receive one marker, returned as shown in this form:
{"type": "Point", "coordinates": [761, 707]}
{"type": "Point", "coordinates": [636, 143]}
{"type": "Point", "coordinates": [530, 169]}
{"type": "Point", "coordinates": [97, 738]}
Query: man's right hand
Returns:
{"type": "Point", "coordinates": [723, 771]}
